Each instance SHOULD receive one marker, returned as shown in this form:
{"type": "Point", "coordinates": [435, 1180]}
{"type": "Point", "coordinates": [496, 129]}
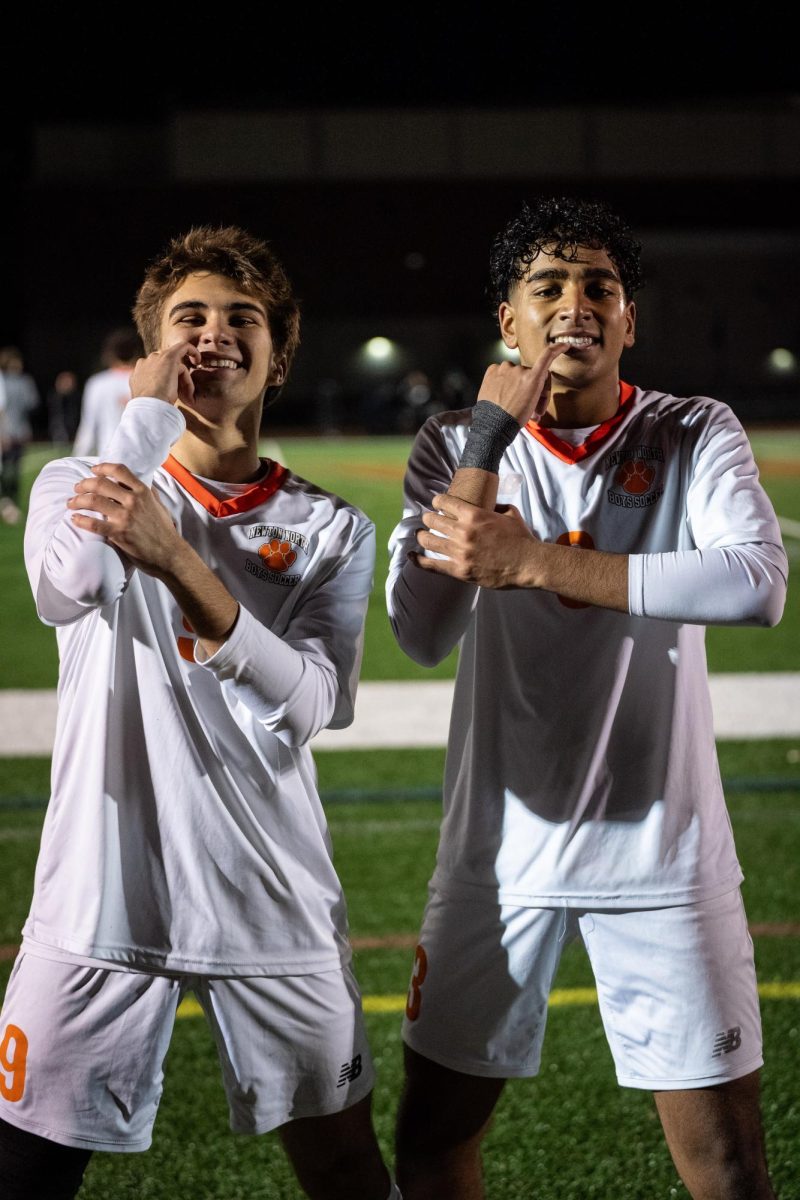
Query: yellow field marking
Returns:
{"type": "Point", "coordinates": [779, 991]}
{"type": "Point", "coordinates": [189, 1008]}
{"type": "Point", "coordinates": [384, 1004]}
{"type": "Point", "coordinates": [559, 998]}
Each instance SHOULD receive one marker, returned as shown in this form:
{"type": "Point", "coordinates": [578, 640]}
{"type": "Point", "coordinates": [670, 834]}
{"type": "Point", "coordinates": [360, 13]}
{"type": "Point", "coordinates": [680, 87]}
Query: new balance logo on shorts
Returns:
{"type": "Point", "coordinates": [349, 1071]}
{"type": "Point", "coordinates": [727, 1040]}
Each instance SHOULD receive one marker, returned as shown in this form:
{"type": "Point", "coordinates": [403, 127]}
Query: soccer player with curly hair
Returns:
{"type": "Point", "coordinates": [209, 607]}
{"type": "Point", "coordinates": [578, 533]}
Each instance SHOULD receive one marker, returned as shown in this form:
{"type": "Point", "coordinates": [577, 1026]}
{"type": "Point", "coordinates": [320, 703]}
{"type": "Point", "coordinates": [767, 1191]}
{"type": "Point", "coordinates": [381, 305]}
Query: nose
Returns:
{"type": "Point", "coordinates": [575, 304]}
{"type": "Point", "coordinates": [215, 331]}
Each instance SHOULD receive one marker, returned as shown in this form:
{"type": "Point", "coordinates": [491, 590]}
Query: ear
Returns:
{"type": "Point", "coordinates": [507, 320]}
{"type": "Point", "coordinates": [278, 373]}
{"type": "Point", "coordinates": [630, 325]}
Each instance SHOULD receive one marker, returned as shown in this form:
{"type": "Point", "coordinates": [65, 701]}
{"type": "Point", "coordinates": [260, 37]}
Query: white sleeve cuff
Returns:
{"type": "Point", "coordinates": [143, 438]}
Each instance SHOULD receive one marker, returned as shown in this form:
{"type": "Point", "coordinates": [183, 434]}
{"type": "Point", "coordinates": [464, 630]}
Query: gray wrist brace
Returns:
{"type": "Point", "coordinates": [492, 432]}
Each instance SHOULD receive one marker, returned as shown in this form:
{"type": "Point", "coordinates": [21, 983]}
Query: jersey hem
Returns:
{"type": "Point", "coordinates": [470, 1066]}
{"type": "Point", "coordinates": [266, 1122]}
{"type": "Point", "coordinates": [170, 965]}
{"type": "Point", "coordinates": [691, 1081]}
{"type": "Point", "coordinates": [75, 1140]}
{"type": "Point", "coordinates": [453, 888]}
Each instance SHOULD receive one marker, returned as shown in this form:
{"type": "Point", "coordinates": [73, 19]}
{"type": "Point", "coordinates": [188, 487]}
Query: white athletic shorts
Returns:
{"type": "Point", "coordinates": [82, 1048]}
{"type": "Point", "coordinates": [676, 988]}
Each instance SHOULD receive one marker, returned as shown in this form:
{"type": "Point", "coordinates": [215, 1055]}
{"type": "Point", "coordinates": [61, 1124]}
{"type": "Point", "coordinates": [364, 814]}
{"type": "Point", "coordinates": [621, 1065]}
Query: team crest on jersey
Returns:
{"type": "Point", "coordinates": [636, 482]}
{"type": "Point", "coordinates": [276, 552]}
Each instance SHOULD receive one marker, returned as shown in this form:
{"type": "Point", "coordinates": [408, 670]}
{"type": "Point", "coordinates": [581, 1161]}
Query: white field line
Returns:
{"type": "Point", "coordinates": [410, 715]}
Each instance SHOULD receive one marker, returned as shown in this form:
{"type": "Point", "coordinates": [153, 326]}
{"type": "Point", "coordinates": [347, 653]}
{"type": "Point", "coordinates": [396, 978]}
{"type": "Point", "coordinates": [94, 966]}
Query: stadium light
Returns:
{"type": "Point", "coordinates": [379, 350]}
{"type": "Point", "coordinates": [781, 361]}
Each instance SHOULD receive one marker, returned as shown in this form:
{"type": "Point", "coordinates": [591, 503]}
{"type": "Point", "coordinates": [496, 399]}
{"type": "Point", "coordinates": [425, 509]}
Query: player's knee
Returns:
{"type": "Point", "coordinates": [337, 1155]}
{"type": "Point", "coordinates": [35, 1166]}
{"type": "Point", "coordinates": [442, 1110]}
{"type": "Point", "coordinates": [728, 1168]}
{"type": "Point", "coordinates": [739, 1173]}
{"type": "Point", "coordinates": [731, 1181]}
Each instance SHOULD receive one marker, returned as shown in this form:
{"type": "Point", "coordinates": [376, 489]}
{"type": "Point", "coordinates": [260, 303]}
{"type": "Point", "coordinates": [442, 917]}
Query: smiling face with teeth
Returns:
{"type": "Point", "coordinates": [231, 330]}
{"type": "Point", "coordinates": [580, 304]}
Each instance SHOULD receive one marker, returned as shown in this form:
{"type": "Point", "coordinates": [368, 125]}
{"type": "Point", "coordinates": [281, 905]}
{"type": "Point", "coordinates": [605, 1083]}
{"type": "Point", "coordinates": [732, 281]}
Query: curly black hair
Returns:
{"type": "Point", "coordinates": [558, 225]}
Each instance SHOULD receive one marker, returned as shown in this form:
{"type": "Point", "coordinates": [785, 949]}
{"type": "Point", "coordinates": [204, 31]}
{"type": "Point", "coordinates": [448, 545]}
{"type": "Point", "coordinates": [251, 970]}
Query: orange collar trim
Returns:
{"type": "Point", "coordinates": [574, 454]}
{"type": "Point", "coordinates": [254, 496]}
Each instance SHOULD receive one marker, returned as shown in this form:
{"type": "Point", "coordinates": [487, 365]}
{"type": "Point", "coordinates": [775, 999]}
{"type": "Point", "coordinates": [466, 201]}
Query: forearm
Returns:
{"type": "Point", "coordinates": [288, 691]}
{"type": "Point", "coordinates": [69, 569]}
{"type": "Point", "coordinates": [583, 576]}
{"type": "Point", "coordinates": [72, 568]}
{"type": "Point", "coordinates": [475, 486]}
{"type": "Point", "coordinates": [491, 433]}
{"type": "Point", "coordinates": [429, 613]}
{"type": "Point", "coordinates": [143, 438]}
{"type": "Point", "coordinates": [303, 678]}
{"type": "Point", "coordinates": [203, 599]}
{"type": "Point", "coordinates": [735, 585]}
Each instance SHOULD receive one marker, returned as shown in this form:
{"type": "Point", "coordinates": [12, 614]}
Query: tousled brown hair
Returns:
{"type": "Point", "coordinates": [237, 255]}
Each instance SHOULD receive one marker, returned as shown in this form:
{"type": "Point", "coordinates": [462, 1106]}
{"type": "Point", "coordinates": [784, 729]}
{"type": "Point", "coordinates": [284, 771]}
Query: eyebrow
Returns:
{"type": "Point", "coordinates": [562, 273]}
{"type": "Point", "coordinates": [234, 306]}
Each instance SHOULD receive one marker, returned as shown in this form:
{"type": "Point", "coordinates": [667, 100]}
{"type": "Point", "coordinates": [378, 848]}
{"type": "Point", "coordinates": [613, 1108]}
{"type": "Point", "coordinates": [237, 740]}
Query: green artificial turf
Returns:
{"type": "Point", "coordinates": [368, 472]}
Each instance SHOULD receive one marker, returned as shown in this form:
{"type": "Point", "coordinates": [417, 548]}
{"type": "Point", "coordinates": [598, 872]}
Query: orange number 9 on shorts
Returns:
{"type": "Point", "coordinates": [13, 1057]}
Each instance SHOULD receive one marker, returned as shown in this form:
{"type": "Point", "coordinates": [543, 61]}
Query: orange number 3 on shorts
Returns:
{"type": "Point", "coordinates": [13, 1057]}
{"type": "Point", "coordinates": [417, 979]}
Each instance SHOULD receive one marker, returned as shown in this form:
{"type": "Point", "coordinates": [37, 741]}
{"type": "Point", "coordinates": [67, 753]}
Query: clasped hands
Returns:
{"type": "Point", "coordinates": [113, 503]}
{"type": "Point", "coordinates": [494, 549]}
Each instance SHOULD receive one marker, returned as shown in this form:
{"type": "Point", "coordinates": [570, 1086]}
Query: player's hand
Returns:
{"type": "Point", "coordinates": [524, 392]}
{"type": "Point", "coordinates": [166, 374]}
{"type": "Point", "coordinates": [131, 516]}
{"type": "Point", "coordinates": [494, 549]}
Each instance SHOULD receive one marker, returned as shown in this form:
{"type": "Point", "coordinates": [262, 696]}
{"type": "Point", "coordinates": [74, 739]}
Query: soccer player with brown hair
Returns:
{"type": "Point", "coordinates": [209, 608]}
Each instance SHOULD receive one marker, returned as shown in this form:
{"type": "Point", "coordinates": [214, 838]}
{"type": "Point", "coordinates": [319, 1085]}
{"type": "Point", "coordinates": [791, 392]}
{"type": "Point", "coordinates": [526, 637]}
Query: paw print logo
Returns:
{"type": "Point", "coordinates": [635, 477]}
{"type": "Point", "coordinates": [277, 555]}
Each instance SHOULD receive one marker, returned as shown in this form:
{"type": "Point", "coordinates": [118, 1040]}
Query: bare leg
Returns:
{"type": "Point", "coordinates": [442, 1119]}
{"type": "Point", "coordinates": [716, 1140]}
{"type": "Point", "coordinates": [337, 1157]}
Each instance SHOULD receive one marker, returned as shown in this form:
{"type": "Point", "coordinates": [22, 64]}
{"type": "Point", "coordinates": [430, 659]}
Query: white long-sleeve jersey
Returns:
{"type": "Point", "coordinates": [184, 831]}
{"type": "Point", "coordinates": [581, 764]}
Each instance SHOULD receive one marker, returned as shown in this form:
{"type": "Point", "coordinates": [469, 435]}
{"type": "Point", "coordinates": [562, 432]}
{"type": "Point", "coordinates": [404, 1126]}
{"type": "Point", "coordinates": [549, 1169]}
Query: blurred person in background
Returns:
{"type": "Point", "coordinates": [21, 398]}
{"type": "Point", "coordinates": [107, 393]}
{"type": "Point", "coordinates": [63, 407]}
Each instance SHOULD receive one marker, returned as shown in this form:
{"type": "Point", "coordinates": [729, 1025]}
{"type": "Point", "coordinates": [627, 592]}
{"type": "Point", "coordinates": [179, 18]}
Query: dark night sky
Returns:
{"type": "Point", "coordinates": [441, 55]}
{"type": "Point", "coordinates": [141, 67]}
